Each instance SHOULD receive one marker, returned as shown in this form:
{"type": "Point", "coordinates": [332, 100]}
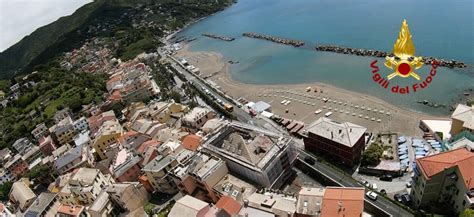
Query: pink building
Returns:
{"type": "Point", "coordinates": [47, 146]}
{"type": "Point", "coordinates": [125, 166]}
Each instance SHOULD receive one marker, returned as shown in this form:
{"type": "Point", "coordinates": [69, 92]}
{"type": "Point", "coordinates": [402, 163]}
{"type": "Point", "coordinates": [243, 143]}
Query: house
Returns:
{"type": "Point", "coordinates": [278, 204]}
{"type": "Point", "coordinates": [196, 118]}
{"type": "Point", "coordinates": [340, 202]}
{"type": "Point", "coordinates": [5, 212]}
{"type": "Point", "coordinates": [96, 121]}
{"type": "Point", "coordinates": [107, 135]}
{"type": "Point", "coordinates": [125, 166]}
{"type": "Point", "coordinates": [444, 178]}
{"type": "Point", "coordinates": [462, 119]}
{"type": "Point", "coordinates": [129, 196]}
{"type": "Point", "coordinates": [66, 210]}
{"type": "Point", "coordinates": [5, 176]}
{"type": "Point", "coordinates": [191, 142]}
{"type": "Point", "coordinates": [310, 202]}
{"type": "Point", "coordinates": [343, 142]}
{"type": "Point", "coordinates": [47, 146]}
{"type": "Point", "coordinates": [190, 206]}
{"type": "Point", "coordinates": [39, 131]}
{"type": "Point", "coordinates": [21, 195]}
{"type": "Point", "coordinates": [74, 158]}
{"type": "Point", "coordinates": [22, 145]}
{"type": "Point", "coordinates": [17, 166]}
{"type": "Point", "coordinates": [61, 115]}
{"type": "Point", "coordinates": [81, 124]}
{"type": "Point", "coordinates": [5, 155]}
{"type": "Point", "coordinates": [229, 205]}
{"type": "Point", "coordinates": [86, 184]}
{"type": "Point", "coordinates": [45, 204]}
{"type": "Point", "coordinates": [63, 132]}
{"type": "Point", "coordinates": [103, 206]}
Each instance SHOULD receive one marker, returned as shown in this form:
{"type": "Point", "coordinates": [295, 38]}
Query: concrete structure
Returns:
{"type": "Point", "coordinates": [234, 187]}
{"type": "Point", "coordinates": [310, 201]}
{"type": "Point", "coordinates": [96, 121]}
{"type": "Point", "coordinates": [462, 119]}
{"type": "Point", "coordinates": [125, 166]}
{"type": "Point", "coordinates": [39, 132]}
{"type": "Point", "coordinates": [190, 206]}
{"type": "Point", "coordinates": [103, 206]}
{"type": "Point", "coordinates": [45, 205]}
{"type": "Point", "coordinates": [61, 115]}
{"type": "Point", "coordinates": [5, 176]}
{"type": "Point", "coordinates": [80, 125]}
{"type": "Point", "coordinates": [107, 135]}
{"type": "Point", "coordinates": [257, 155]}
{"type": "Point", "coordinates": [128, 196]}
{"type": "Point", "coordinates": [21, 195]}
{"type": "Point", "coordinates": [66, 210]}
{"type": "Point", "coordinates": [196, 118]}
{"type": "Point", "coordinates": [63, 132]}
{"type": "Point", "coordinates": [86, 184]}
{"type": "Point", "coordinates": [16, 166]}
{"type": "Point", "coordinates": [278, 204]}
{"type": "Point", "coordinates": [76, 157]}
{"type": "Point", "coordinates": [444, 179]}
{"type": "Point", "coordinates": [340, 202]}
{"type": "Point", "coordinates": [343, 142]}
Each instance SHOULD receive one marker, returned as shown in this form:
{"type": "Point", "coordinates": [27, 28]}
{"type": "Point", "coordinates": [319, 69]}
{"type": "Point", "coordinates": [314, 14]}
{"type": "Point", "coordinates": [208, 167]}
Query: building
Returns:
{"type": "Point", "coordinates": [86, 184]}
{"type": "Point", "coordinates": [234, 187]}
{"type": "Point", "coordinates": [5, 155]}
{"type": "Point", "coordinates": [22, 145]}
{"type": "Point", "coordinates": [63, 132]}
{"type": "Point", "coordinates": [310, 201]}
{"type": "Point", "coordinates": [80, 125]}
{"type": "Point", "coordinates": [5, 212]}
{"type": "Point", "coordinates": [16, 166]}
{"type": "Point", "coordinates": [45, 205]}
{"type": "Point", "coordinates": [192, 142]}
{"type": "Point", "coordinates": [340, 202]}
{"type": "Point", "coordinates": [33, 157]}
{"type": "Point", "coordinates": [76, 157]}
{"type": "Point", "coordinates": [342, 142]}
{"type": "Point", "coordinates": [39, 132]}
{"type": "Point", "coordinates": [61, 115]}
{"type": "Point", "coordinates": [21, 195]}
{"type": "Point", "coordinates": [462, 119]}
{"type": "Point", "coordinates": [107, 135]}
{"type": "Point", "coordinates": [278, 204]}
{"type": "Point", "coordinates": [230, 206]}
{"type": "Point", "coordinates": [66, 210]}
{"type": "Point", "coordinates": [125, 166]}
{"type": "Point", "coordinates": [190, 206]}
{"type": "Point", "coordinates": [128, 196]}
{"type": "Point", "coordinates": [196, 118]}
{"type": "Point", "coordinates": [444, 179]}
{"type": "Point", "coordinates": [255, 154]}
{"type": "Point", "coordinates": [200, 175]}
{"type": "Point", "coordinates": [5, 176]}
{"type": "Point", "coordinates": [103, 206]}
{"type": "Point", "coordinates": [47, 146]}
{"type": "Point", "coordinates": [96, 121]}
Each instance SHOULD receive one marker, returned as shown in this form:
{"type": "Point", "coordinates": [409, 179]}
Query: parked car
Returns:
{"type": "Point", "coordinates": [406, 199]}
{"type": "Point", "coordinates": [386, 177]}
{"type": "Point", "coordinates": [397, 197]}
{"type": "Point", "coordinates": [374, 186]}
{"type": "Point", "coordinates": [372, 195]}
{"type": "Point", "coordinates": [309, 160]}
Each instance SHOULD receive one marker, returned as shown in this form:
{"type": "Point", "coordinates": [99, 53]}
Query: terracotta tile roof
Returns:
{"type": "Point", "coordinates": [231, 206]}
{"type": "Point", "coordinates": [346, 202]}
{"type": "Point", "coordinates": [150, 143]}
{"type": "Point", "coordinates": [71, 210]}
{"type": "Point", "coordinates": [462, 158]}
{"type": "Point", "coordinates": [191, 142]}
{"type": "Point", "coordinates": [126, 135]}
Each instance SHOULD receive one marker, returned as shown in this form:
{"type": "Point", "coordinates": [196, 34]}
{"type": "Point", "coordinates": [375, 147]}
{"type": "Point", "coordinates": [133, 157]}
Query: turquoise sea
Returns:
{"type": "Point", "coordinates": [440, 28]}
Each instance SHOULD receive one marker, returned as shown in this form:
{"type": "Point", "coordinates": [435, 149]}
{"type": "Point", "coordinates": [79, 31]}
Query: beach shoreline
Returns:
{"type": "Point", "coordinates": [214, 68]}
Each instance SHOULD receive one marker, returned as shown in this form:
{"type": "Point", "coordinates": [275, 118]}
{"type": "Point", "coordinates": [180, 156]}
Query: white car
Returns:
{"type": "Point", "coordinates": [374, 186]}
{"type": "Point", "coordinates": [372, 195]}
{"type": "Point", "coordinates": [318, 111]}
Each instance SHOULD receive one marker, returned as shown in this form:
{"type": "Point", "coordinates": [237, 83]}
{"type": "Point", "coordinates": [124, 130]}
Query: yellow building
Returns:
{"type": "Point", "coordinates": [107, 135]}
{"type": "Point", "coordinates": [462, 119]}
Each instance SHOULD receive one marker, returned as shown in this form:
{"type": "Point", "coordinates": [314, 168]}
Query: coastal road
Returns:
{"type": "Point", "coordinates": [346, 181]}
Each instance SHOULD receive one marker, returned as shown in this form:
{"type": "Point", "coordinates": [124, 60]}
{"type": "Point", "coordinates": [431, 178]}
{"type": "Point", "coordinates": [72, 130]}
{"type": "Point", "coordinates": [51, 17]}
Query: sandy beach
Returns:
{"type": "Point", "coordinates": [368, 111]}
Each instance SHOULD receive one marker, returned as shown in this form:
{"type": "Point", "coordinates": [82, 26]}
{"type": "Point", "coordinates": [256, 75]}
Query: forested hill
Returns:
{"type": "Point", "coordinates": [65, 34]}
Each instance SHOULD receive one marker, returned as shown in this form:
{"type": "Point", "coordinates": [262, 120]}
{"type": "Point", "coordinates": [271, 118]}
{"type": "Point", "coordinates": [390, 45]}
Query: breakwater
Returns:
{"type": "Point", "coordinates": [376, 53]}
{"type": "Point", "coordinates": [223, 38]}
{"type": "Point", "coordinates": [295, 43]}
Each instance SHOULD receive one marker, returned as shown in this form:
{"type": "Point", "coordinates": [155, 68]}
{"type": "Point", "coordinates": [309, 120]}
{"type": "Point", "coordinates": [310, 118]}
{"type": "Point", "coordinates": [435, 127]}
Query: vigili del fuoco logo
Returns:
{"type": "Point", "coordinates": [403, 62]}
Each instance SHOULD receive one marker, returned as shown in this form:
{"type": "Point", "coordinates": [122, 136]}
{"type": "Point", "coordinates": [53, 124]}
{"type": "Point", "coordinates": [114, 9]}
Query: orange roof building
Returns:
{"type": "Point", "coordinates": [70, 210]}
{"type": "Point", "coordinates": [338, 201]}
{"type": "Point", "coordinates": [229, 205]}
{"type": "Point", "coordinates": [445, 178]}
{"type": "Point", "coordinates": [191, 142]}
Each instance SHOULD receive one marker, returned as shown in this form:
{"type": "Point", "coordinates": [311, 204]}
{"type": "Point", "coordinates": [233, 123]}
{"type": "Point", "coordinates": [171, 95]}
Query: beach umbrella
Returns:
{"type": "Point", "coordinates": [372, 119]}
{"type": "Point", "coordinates": [360, 116]}
{"type": "Point", "coordinates": [353, 114]}
{"type": "Point", "coordinates": [366, 117]}
{"type": "Point", "coordinates": [375, 110]}
{"type": "Point", "coordinates": [378, 120]}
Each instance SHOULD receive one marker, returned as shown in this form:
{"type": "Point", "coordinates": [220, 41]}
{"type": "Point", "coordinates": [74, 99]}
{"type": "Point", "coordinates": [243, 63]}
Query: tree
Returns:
{"type": "Point", "coordinates": [467, 213]}
{"type": "Point", "coordinates": [5, 190]}
{"type": "Point", "coordinates": [371, 156]}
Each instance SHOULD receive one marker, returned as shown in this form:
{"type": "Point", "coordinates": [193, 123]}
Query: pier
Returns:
{"type": "Point", "coordinates": [294, 43]}
{"type": "Point", "coordinates": [223, 38]}
{"type": "Point", "coordinates": [376, 53]}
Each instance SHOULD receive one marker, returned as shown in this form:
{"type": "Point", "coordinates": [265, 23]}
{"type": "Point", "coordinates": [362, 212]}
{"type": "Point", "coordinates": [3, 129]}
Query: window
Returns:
{"type": "Point", "coordinates": [464, 202]}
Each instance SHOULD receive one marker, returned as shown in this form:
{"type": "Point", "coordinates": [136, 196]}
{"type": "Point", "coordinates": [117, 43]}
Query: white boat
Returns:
{"type": "Point", "coordinates": [328, 114]}
{"type": "Point", "coordinates": [318, 111]}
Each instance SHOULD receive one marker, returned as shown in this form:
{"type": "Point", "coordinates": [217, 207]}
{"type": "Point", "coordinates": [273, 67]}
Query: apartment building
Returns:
{"type": "Point", "coordinates": [107, 135]}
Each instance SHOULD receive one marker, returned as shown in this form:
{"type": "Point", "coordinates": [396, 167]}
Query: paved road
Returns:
{"type": "Point", "coordinates": [346, 181]}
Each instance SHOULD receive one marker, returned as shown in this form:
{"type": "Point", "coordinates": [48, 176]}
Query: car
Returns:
{"type": "Point", "coordinates": [309, 160]}
{"type": "Point", "coordinates": [406, 199]}
{"type": "Point", "coordinates": [372, 195]}
{"type": "Point", "coordinates": [397, 197]}
{"type": "Point", "coordinates": [367, 184]}
{"type": "Point", "coordinates": [408, 184]}
{"type": "Point", "coordinates": [386, 177]}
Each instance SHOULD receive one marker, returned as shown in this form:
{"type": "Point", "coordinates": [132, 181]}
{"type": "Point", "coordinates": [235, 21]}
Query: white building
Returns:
{"type": "Point", "coordinates": [86, 184]}
{"type": "Point", "coordinates": [81, 125]}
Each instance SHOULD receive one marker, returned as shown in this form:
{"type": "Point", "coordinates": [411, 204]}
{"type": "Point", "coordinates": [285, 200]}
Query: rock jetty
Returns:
{"type": "Point", "coordinates": [295, 43]}
{"type": "Point", "coordinates": [376, 53]}
{"type": "Point", "coordinates": [223, 38]}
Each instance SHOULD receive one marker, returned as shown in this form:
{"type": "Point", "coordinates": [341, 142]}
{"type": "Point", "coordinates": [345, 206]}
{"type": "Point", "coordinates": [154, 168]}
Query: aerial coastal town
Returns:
{"type": "Point", "coordinates": [162, 134]}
